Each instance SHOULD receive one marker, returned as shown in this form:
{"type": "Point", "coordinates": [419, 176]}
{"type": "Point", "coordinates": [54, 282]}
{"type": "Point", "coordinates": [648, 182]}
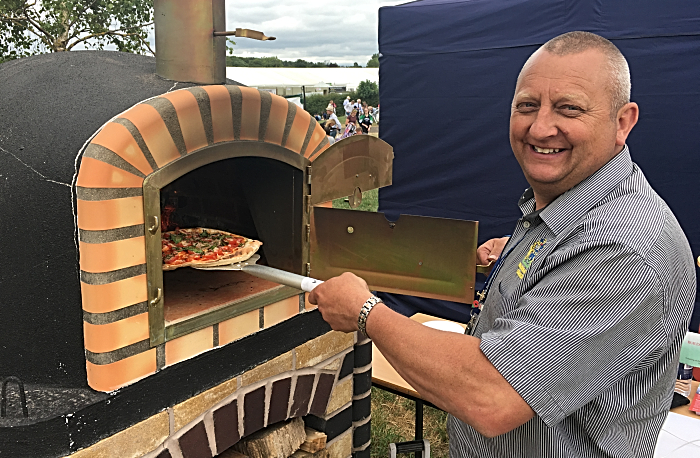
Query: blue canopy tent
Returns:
{"type": "Point", "coordinates": [448, 70]}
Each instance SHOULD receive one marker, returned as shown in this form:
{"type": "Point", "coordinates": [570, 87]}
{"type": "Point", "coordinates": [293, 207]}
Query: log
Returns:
{"type": "Point", "coordinates": [231, 453]}
{"type": "Point", "coordinates": [276, 441]}
{"type": "Point", "coordinates": [314, 442]}
{"type": "Point", "coordinates": [324, 453]}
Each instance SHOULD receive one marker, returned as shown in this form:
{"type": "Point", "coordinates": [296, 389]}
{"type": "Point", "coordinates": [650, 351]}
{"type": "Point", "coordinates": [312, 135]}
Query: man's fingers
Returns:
{"type": "Point", "coordinates": [312, 297]}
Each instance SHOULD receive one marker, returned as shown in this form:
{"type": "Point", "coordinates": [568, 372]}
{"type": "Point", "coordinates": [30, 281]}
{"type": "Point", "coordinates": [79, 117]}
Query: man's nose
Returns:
{"type": "Point", "coordinates": [544, 125]}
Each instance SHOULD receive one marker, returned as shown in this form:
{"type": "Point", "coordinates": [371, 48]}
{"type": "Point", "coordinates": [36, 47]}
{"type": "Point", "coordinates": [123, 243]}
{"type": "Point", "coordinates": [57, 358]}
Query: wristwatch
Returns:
{"type": "Point", "coordinates": [364, 313]}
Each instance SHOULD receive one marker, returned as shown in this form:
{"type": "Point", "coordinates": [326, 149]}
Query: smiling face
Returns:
{"type": "Point", "coordinates": [561, 128]}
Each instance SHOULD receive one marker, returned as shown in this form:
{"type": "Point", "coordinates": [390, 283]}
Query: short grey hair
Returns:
{"type": "Point", "coordinates": [575, 42]}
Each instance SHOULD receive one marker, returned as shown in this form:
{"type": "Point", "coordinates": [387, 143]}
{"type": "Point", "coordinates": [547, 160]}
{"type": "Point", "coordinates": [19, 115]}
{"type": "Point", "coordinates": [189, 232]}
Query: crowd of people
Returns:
{"type": "Point", "coordinates": [359, 119]}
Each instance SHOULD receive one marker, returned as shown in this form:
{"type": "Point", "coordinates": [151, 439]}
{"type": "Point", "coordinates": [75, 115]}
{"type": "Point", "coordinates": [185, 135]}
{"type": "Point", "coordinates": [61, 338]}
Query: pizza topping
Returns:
{"type": "Point", "coordinates": [183, 247]}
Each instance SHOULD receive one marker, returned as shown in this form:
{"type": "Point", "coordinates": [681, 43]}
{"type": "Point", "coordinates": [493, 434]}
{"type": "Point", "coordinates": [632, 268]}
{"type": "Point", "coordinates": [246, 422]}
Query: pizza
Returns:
{"type": "Point", "coordinates": [203, 247]}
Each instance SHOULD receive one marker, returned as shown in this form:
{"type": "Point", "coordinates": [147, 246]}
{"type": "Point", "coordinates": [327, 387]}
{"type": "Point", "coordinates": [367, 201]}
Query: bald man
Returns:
{"type": "Point", "coordinates": [576, 348]}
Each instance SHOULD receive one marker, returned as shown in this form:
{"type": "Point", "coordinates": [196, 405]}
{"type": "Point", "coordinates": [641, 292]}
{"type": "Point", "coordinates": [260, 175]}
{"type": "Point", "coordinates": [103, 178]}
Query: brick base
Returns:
{"type": "Point", "coordinates": [311, 381]}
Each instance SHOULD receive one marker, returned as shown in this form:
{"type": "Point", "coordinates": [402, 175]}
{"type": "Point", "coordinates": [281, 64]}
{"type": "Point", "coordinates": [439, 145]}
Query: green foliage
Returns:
{"type": "Point", "coordinates": [33, 27]}
{"type": "Point", "coordinates": [374, 61]}
{"type": "Point", "coordinates": [235, 61]}
{"type": "Point", "coordinates": [368, 92]}
{"type": "Point", "coordinates": [370, 202]}
{"type": "Point", "coordinates": [393, 420]}
{"type": "Point", "coordinates": [229, 46]}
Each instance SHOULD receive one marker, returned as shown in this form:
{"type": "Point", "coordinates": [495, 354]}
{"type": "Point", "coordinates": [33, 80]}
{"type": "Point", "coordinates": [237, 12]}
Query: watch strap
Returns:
{"type": "Point", "coordinates": [364, 313]}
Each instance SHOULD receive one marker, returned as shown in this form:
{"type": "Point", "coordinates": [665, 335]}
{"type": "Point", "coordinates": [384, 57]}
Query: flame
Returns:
{"type": "Point", "coordinates": [165, 223]}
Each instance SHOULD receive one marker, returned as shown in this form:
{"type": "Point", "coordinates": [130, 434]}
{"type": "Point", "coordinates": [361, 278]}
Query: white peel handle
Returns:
{"type": "Point", "coordinates": [308, 284]}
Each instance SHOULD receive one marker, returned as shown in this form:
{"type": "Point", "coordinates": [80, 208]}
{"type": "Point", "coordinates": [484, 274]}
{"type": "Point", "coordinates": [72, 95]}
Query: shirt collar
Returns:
{"type": "Point", "coordinates": [575, 202]}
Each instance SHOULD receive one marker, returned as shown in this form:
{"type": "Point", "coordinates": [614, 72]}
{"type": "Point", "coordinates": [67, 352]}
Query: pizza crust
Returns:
{"type": "Point", "coordinates": [241, 254]}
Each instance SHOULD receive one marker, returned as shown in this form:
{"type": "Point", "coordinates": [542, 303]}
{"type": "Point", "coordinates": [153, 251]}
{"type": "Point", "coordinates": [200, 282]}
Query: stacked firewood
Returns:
{"type": "Point", "coordinates": [282, 440]}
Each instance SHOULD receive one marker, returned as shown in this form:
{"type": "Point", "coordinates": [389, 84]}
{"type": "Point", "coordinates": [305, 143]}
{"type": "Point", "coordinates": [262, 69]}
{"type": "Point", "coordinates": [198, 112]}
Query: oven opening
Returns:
{"type": "Point", "coordinates": [255, 197]}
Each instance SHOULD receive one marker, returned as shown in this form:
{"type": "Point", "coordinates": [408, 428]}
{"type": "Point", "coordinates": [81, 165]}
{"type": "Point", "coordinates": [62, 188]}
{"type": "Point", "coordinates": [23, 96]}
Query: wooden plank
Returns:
{"type": "Point", "coordinates": [314, 442]}
{"type": "Point", "coordinates": [276, 441]}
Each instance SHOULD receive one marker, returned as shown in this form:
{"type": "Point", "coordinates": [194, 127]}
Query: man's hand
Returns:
{"type": "Point", "coordinates": [340, 299]}
{"type": "Point", "coordinates": [490, 251]}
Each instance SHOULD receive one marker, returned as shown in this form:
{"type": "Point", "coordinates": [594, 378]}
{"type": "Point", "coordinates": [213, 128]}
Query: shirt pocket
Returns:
{"type": "Point", "coordinates": [508, 293]}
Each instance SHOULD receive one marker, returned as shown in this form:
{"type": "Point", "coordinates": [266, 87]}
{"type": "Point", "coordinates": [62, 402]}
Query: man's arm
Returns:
{"type": "Point", "coordinates": [447, 369]}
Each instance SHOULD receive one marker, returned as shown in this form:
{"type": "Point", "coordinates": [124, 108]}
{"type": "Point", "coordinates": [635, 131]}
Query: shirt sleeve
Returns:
{"type": "Point", "coordinates": [595, 314]}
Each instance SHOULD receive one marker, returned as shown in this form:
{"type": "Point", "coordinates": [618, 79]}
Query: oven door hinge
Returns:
{"type": "Point", "coordinates": [308, 269]}
{"type": "Point", "coordinates": [308, 232]}
{"type": "Point", "coordinates": [308, 174]}
{"type": "Point", "coordinates": [307, 207]}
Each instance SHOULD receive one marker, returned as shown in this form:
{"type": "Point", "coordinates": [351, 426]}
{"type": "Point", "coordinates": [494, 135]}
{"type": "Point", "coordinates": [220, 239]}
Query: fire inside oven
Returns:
{"type": "Point", "coordinates": [255, 197]}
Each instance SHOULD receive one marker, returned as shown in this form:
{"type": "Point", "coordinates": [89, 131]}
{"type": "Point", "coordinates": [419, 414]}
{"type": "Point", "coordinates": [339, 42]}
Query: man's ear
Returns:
{"type": "Point", "coordinates": [627, 117]}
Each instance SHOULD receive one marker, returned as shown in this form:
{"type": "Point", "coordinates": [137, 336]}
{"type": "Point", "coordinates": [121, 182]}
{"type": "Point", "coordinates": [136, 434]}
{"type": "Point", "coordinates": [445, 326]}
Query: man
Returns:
{"type": "Point", "coordinates": [333, 122]}
{"type": "Point", "coordinates": [576, 349]}
{"type": "Point", "coordinates": [347, 105]}
{"type": "Point", "coordinates": [358, 106]}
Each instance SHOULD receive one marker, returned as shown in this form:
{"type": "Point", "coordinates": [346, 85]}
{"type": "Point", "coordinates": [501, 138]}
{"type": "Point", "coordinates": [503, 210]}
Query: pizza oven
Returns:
{"type": "Point", "coordinates": [101, 349]}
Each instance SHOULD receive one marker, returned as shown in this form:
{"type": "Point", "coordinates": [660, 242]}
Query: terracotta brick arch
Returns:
{"type": "Point", "coordinates": [109, 204]}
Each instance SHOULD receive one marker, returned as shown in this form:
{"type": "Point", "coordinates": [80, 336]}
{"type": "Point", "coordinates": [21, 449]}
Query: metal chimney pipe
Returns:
{"type": "Point", "coordinates": [186, 48]}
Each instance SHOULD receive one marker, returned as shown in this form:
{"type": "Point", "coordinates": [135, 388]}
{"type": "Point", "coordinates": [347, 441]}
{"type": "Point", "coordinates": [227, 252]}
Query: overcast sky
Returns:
{"type": "Point", "coordinates": [334, 31]}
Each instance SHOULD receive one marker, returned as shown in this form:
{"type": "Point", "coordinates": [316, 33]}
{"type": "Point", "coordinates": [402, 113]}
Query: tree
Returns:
{"type": "Point", "coordinates": [368, 92]}
{"type": "Point", "coordinates": [374, 61]}
{"type": "Point", "coordinates": [35, 26]}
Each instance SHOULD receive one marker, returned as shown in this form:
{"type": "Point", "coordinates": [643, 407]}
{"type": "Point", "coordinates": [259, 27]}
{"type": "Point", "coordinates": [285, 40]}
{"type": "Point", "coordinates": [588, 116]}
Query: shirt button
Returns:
{"type": "Point", "coordinates": [526, 224]}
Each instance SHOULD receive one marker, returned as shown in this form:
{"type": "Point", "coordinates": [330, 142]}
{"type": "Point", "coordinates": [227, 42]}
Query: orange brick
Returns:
{"type": "Point", "coordinates": [297, 134]}
{"type": "Point", "coordinates": [98, 174]}
{"type": "Point", "coordinates": [222, 120]}
{"type": "Point", "coordinates": [239, 327]}
{"type": "Point", "coordinates": [114, 296]}
{"type": "Point", "coordinates": [190, 345]}
{"type": "Point", "coordinates": [190, 118]}
{"type": "Point", "coordinates": [109, 337]}
{"type": "Point", "coordinates": [317, 137]}
{"type": "Point", "coordinates": [250, 115]}
{"type": "Point", "coordinates": [118, 139]}
{"type": "Point", "coordinates": [280, 311]}
{"type": "Point", "coordinates": [277, 120]}
{"type": "Point", "coordinates": [315, 156]}
{"type": "Point", "coordinates": [154, 133]}
{"type": "Point", "coordinates": [109, 377]}
{"type": "Point", "coordinates": [106, 257]}
{"type": "Point", "coordinates": [100, 215]}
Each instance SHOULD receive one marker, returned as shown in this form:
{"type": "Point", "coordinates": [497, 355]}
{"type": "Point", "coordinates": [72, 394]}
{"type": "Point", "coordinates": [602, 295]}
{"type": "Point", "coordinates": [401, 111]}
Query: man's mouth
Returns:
{"type": "Point", "coordinates": [547, 150]}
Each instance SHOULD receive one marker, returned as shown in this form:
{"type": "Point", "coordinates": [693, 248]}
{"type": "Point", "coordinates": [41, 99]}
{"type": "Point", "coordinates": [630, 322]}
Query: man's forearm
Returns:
{"type": "Point", "coordinates": [448, 370]}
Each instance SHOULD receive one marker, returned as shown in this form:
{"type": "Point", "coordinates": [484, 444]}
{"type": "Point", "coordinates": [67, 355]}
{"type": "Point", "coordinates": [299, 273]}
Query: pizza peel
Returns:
{"type": "Point", "coordinates": [269, 273]}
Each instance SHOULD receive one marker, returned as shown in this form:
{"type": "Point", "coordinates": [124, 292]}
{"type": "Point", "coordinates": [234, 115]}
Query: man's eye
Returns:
{"type": "Point", "coordinates": [526, 106]}
{"type": "Point", "coordinates": [571, 108]}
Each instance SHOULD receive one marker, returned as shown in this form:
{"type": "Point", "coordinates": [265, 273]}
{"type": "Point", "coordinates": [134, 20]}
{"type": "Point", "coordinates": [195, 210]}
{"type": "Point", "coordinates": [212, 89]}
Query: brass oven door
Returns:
{"type": "Point", "coordinates": [415, 255]}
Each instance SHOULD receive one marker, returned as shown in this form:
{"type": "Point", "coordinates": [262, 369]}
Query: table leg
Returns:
{"type": "Point", "coordinates": [419, 425]}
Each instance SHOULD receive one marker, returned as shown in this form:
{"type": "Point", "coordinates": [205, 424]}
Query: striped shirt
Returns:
{"type": "Point", "coordinates": [585, 319]}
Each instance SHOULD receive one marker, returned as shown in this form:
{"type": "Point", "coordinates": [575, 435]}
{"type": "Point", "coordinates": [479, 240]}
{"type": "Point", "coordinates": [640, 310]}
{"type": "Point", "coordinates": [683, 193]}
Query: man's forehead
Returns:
{"type": "Point", "coordinates": [572, 75]}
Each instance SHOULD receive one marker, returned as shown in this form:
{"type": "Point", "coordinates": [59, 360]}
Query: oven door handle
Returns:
{"type": "Point", "coordinates": [280, 276]}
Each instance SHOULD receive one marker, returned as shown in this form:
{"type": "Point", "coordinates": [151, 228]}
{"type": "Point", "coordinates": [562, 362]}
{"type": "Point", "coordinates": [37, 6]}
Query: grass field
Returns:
{"type": "Point", "coordinates": [393, 417]}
